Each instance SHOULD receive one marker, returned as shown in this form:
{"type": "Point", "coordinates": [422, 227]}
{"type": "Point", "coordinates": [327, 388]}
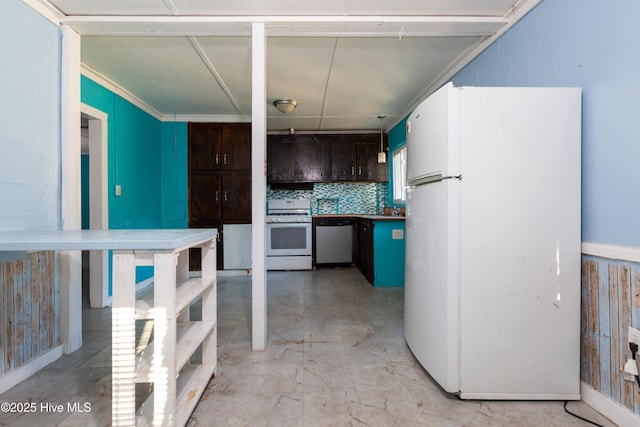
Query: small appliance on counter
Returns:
{"type": "Point", "coordinates": [288, 234]}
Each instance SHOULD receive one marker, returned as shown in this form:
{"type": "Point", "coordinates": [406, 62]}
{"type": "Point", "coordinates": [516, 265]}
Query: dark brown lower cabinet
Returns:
{"type": "Point", "coordinates": [364, 248]}
{"type": "Point", "coordinates": [205, 201]}
{"type": "Point", "coordinates": [195, 260]}
{"type": "Point", "coordinates": [214, 198]}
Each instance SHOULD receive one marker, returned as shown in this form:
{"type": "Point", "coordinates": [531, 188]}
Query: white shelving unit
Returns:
{"type": "Point", "coordinates": [181, 358]}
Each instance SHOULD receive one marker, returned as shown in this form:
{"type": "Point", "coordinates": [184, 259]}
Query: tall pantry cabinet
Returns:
{"type": "Point", "coordinates": [219, 179]}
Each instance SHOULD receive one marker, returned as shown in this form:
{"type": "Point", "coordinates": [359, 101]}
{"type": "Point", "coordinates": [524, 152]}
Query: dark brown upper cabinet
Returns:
{"type": "Point", "coordinates": [355, 158]}
{"type": "Point", "coordinates": [219, 174]}
{"type": "Point", "coordinates": [220, 146]}
{"type": "Point", "coordinates": [324, 158]}
{"type": "Point", "coordinates": [296, 158]}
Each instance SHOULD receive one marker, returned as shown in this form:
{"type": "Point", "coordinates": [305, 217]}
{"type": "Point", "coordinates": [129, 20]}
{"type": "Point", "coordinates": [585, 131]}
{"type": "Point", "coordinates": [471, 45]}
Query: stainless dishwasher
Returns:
{"type": "Point", "coordinates": [333, 241]}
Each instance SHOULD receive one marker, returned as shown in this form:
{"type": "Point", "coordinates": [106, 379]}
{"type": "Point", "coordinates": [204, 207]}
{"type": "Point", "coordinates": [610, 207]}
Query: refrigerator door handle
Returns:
{"type": "Point", "coordinates": [421, 180]}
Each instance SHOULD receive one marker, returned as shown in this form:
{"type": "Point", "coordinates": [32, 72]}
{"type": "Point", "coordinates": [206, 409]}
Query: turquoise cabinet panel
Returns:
{"type": "Point", "coordinates": [388, 252]}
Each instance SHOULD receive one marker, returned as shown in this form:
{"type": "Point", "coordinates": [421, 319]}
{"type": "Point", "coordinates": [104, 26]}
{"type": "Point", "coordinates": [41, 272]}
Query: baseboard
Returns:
{"type": "Point", "coordinates": [620, 415]}
{"type": "Point", "coordinates": [623, 253]}
{"type": "Point", "coordinates": [233, 272]}
{"type": "Point", "coordinates": [23, 372]}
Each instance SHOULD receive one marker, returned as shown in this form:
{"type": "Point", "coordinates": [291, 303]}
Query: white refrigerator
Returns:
{"type": "Point", "coordinates": [492, 279]}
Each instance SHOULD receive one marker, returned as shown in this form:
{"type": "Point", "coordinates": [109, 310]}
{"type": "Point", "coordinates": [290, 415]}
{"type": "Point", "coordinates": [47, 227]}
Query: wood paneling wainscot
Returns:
{"type": "Point", "coordinates": [30, 301]}
{"type": "Point", "coordinates": [610, 304]}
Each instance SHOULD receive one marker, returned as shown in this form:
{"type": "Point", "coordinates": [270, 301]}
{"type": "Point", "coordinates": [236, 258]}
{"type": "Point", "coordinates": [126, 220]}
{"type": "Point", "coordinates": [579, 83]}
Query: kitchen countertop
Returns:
{"type": "Point", "coordinates": [355, 216]}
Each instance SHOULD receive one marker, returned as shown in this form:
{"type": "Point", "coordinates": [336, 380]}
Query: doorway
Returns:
{"type": "Point", "coordinates": [95, 264]}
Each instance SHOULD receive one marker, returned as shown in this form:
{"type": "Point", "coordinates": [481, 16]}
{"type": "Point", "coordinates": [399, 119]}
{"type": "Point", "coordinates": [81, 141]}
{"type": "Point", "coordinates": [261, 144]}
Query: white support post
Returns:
{"type": "Point", "coordinates": [258, 187]}
{"type": "Point", "coordinates": [70, 261]}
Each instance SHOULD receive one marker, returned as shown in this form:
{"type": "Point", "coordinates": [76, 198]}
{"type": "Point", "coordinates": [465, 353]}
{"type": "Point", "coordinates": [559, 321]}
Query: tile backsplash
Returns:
{"type": "Point", "coordinates": [366, 198]}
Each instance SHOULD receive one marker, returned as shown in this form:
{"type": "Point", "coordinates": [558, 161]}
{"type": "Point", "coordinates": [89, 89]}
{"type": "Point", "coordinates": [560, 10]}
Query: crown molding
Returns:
{"type": "Point", "coordinates": [107, 83]}
{"type": "Point", "coordinates": [46, 9]}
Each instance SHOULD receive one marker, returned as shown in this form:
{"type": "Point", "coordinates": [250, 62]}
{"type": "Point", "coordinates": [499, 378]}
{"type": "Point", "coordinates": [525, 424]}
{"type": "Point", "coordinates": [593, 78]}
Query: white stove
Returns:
{"type": "Point", "coordinates": [288, 210]}
{"type": "Point", "coordinates": [288, 234]}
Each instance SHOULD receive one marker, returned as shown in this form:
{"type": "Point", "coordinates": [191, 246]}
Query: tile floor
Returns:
{"type": "Point", "coordinates": [335, 357]}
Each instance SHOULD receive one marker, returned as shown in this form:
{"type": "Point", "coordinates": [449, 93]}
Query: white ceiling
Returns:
{"type": "Point", "coordinates": [346, 62]}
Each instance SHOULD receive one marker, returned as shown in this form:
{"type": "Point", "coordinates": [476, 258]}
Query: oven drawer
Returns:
{"type": "Point", "coordinates": [286, 239]}
{"type": "Point", "coordinates": [297, 262]}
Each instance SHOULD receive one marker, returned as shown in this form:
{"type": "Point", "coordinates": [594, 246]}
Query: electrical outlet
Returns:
{"type": "Point", "coordinates": [634, 336]}
{"type": "Point", "coordinates": [630, 369]}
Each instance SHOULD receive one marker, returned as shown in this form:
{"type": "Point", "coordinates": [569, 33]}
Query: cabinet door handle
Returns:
{"type": "Point", "coordinates": [225, 195]}
{"type": "Point", "coordinates": [353, 170]}
{"type": "Point", "coordinates": [224, 159]}
{"type": "Point", "coordinates": [217, 195]}
{"type": "Point", "coordinates": [217, 159]}
{"type": "Point", "coordinates": [359, 170]}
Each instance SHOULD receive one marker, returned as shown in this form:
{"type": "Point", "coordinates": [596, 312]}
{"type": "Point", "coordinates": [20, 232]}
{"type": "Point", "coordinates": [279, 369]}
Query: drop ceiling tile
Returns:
{"type": "Point", "coordinates": [231, 60]}
{"type": "Point", "coordinates": [298, 68]}
{"type": "Point", "coordinates": [375, 76]}
{"type": "Point", "coordinates": [165, 72]}
{"type": "Point", "coordinates": [340, 82]}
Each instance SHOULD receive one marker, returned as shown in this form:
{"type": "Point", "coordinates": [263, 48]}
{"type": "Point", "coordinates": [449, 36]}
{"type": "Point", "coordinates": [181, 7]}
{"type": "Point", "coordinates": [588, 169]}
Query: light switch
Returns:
{"type": "Point", "coordinates": [118, 190]}
{"type": "Point", "coordinates": [397, 234]}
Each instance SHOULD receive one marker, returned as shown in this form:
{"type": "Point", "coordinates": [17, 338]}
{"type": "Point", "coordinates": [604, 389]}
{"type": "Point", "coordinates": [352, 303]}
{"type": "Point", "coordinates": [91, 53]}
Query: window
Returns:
{"type": "Point", "coordinates": [400, 175]}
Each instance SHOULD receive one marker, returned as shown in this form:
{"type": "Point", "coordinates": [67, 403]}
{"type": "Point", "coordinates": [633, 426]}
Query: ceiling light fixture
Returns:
{"type": "Point", "coordinates": [382, 156]}
{"type": "Point", "coordinates": [285, 105]}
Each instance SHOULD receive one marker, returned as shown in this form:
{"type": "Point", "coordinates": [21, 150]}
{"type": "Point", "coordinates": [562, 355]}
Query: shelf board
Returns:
{"type": "Point", "coordinates": [189, 337]}
{"type": "Point", "coordinates": [192, 381]}
{"type": "Point", "coordinates": [186, 292]}
{"type": "Point", "coordinates": [144, 414]}
{"type": "Point", "coordinates": [189, 290]}
{"type": "Point", "coordinates": [143, 364]}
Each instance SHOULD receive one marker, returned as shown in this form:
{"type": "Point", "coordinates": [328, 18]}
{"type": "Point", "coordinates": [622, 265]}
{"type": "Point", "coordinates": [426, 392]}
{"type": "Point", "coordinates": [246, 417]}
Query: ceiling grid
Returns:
{"type": "Point", "coordinates": [341, 85]}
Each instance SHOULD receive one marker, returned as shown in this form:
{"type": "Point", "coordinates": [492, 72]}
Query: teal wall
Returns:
{"type": "Point", "coordinates": [134, 159]}
{"type": "Point", "coordinates": [30, 163]}
{"type": "Point", "coordinates": [84, 190]}
{"type": "Point", "coordinates": [174, 160]}
{"type": "Point", "coordinates": [397, 139]}
{"type": "Point", "coordinates": [134, 162]}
